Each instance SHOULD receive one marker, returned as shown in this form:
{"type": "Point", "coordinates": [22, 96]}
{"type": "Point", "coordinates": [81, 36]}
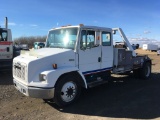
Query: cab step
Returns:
{"type": "Point", "coordinates": [96, 83]}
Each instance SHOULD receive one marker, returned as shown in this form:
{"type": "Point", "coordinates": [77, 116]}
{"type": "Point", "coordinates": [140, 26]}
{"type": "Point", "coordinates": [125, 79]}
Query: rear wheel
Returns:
{"type": "Point", "coordinates": [143, 72]}
{"type": "Point", "coordinates": [67, 90]}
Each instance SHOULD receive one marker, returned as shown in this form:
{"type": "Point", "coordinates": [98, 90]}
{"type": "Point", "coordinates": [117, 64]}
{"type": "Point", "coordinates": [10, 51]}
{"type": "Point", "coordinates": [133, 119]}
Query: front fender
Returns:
{"type": "Point", "coordinates": [53, 75]}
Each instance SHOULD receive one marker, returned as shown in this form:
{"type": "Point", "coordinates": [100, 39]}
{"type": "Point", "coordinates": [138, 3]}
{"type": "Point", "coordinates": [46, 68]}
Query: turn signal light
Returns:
{"type": "Point", "coordinates": [81, 25]}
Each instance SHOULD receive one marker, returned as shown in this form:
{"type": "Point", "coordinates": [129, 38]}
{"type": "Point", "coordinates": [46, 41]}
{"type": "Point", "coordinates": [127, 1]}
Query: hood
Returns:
{"type": "Point", "coordinates": [40, 53]}
{"type": "Point", "coordinates": [48, 56]}
{"type": "Point", "coordinates": [41, 60]}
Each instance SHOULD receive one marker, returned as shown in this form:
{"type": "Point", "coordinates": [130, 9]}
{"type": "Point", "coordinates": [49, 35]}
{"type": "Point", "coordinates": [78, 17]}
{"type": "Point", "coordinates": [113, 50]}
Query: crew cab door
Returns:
{"type": "Point", "coordinates": [89, 52]}
{"type": "Point", "coordinates": [107, 49]}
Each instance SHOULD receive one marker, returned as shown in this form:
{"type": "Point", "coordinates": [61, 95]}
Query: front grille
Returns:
{"type": "Point", "coordinates": [19, 70]}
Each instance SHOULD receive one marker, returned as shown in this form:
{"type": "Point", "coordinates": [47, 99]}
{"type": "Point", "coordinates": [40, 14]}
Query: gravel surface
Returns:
{"type": "Point", "coordinates": [124, 98]}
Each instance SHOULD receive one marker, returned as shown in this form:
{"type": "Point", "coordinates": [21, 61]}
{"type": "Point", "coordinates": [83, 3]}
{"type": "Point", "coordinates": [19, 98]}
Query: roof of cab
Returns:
{"type": "Point", "coordinates": [82, 26]}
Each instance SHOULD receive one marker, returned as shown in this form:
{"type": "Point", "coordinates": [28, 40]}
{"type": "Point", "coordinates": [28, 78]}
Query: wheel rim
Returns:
{"type": "Point", "coordinates": [147, 71]}
{"type": "Point", "coordinates": [69, 91]}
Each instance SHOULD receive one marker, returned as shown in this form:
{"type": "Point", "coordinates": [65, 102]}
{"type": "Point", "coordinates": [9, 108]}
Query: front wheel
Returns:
{"type": "Point", "coordinates": [67, 90]}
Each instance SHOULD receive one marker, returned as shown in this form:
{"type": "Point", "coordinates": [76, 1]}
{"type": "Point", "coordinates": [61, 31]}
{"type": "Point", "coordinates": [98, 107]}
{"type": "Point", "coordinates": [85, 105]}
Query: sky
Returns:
{"type": "Point", "coordinates": [139, 19]}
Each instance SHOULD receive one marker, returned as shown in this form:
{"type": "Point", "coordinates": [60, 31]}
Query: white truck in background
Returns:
{"type": "Point", "coordinates": [7, 50]}
{"type": "Point", "coordinates": [6, 47]}
{"type": "Point", "coordinates": [75, 57]}
{"type": "Point", "coordinates": [38, 45]}
{"type": "Point", "coordinates": [150, 47]}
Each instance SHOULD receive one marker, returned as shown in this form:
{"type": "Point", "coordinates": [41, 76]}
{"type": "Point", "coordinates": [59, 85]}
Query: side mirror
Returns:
{"type": "Point", "coordinates": [114, 31]}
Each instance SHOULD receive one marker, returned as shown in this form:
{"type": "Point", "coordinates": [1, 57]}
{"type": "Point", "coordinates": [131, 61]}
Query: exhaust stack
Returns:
{"type": "Point", "coordinates": [6, 23]}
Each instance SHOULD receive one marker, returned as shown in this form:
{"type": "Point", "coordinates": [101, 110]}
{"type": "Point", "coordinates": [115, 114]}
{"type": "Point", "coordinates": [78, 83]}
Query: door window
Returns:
{"type": "Point", "coordinates": [106, 39]}
{"type": "Point", "coordinates": [3, 35]}
{"type": "Point", "coordinates": [87, 39]}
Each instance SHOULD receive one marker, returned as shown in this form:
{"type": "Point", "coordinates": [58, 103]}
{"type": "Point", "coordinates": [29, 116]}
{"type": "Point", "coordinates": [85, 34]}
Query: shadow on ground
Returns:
{"type": "Point", "coordinates": [125, 97]}
{"type": "Point", "coordinates": [6, 77]}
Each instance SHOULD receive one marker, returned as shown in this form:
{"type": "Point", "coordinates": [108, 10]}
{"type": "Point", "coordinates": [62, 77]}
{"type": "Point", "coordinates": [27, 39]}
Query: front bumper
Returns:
{"type": "Point", "coordinates": [35, 92]}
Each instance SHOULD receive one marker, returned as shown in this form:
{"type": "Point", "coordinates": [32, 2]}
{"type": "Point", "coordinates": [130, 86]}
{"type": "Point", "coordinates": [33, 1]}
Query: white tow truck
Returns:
{"type": "Point", "coordinates": [75, 57]}
{"type": "Point", "coordinates": [6, 47]}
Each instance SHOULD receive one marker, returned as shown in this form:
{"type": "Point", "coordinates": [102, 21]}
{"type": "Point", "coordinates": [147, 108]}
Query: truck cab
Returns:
{"type": "Point", "coordinates": [75, 57]}
{"type": "Point", "coordinates": [38, 45]}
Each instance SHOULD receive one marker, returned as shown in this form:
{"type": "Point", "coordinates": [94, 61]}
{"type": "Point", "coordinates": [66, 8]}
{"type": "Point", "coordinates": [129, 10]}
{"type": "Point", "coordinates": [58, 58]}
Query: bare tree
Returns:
{"type": "Point", "coordinates": [29, 40]}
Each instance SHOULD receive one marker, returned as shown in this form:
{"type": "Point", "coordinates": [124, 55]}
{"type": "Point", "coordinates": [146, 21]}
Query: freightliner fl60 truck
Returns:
{"type": "Point", "coordinates": [75, 57]}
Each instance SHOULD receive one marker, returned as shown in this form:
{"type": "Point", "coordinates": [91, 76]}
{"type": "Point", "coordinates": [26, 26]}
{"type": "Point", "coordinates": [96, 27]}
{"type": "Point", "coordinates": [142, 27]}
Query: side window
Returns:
{"type": "Point", "coordinates": [3, 36]}
{"type": "Point", "coordinates": [106, 39]}
{"type": "Point", "coordinates": [87, 39]}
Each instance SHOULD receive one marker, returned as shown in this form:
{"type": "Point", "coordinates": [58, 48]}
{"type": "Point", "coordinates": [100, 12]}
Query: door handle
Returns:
{"type": "Point", "coordinates": [7, 49]}
{"type": "Point", "coordinates": [99, 59]}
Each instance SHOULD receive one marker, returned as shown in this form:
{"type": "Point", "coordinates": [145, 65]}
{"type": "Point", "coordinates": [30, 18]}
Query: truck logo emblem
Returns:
{"type": "Point", "coordinates": [71, 59]}
{"type": "Point", "coordinates": [18, 63]}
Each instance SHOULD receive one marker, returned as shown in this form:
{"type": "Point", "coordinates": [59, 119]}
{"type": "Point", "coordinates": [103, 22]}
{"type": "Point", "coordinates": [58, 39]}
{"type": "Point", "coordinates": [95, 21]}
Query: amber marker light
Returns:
{"type": "Point", "coordinates": [98, 37]}
{"type": "Point", "coordinates": [81, 25]}
{"type": "Point", "coordinates": [54, 66]}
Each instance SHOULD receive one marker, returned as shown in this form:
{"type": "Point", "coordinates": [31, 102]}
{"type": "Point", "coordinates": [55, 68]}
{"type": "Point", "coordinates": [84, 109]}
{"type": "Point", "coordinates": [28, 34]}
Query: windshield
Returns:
{"type": "Point", "coordinates": [62, 38]}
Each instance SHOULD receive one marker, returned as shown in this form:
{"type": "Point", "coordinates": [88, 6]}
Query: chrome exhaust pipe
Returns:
{"type": "Point", "coordinates": [6, 23]}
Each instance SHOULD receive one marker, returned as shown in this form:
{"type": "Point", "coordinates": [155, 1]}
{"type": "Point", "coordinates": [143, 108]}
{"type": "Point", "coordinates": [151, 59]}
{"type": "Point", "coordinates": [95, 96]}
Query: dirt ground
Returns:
{"type": "Point", "coordinates": [124, 98]}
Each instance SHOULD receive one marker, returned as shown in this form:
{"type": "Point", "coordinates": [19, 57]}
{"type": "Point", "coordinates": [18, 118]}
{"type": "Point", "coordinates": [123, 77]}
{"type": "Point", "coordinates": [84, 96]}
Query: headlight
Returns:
{"type": "Point", "coordinates": [42, 77]}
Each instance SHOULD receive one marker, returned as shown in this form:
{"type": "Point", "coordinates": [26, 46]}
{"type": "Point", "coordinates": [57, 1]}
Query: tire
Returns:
{"type": "Point", "coordinates": [67, 90]}
{"type": "Point", "coordinates": [145, 71]}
